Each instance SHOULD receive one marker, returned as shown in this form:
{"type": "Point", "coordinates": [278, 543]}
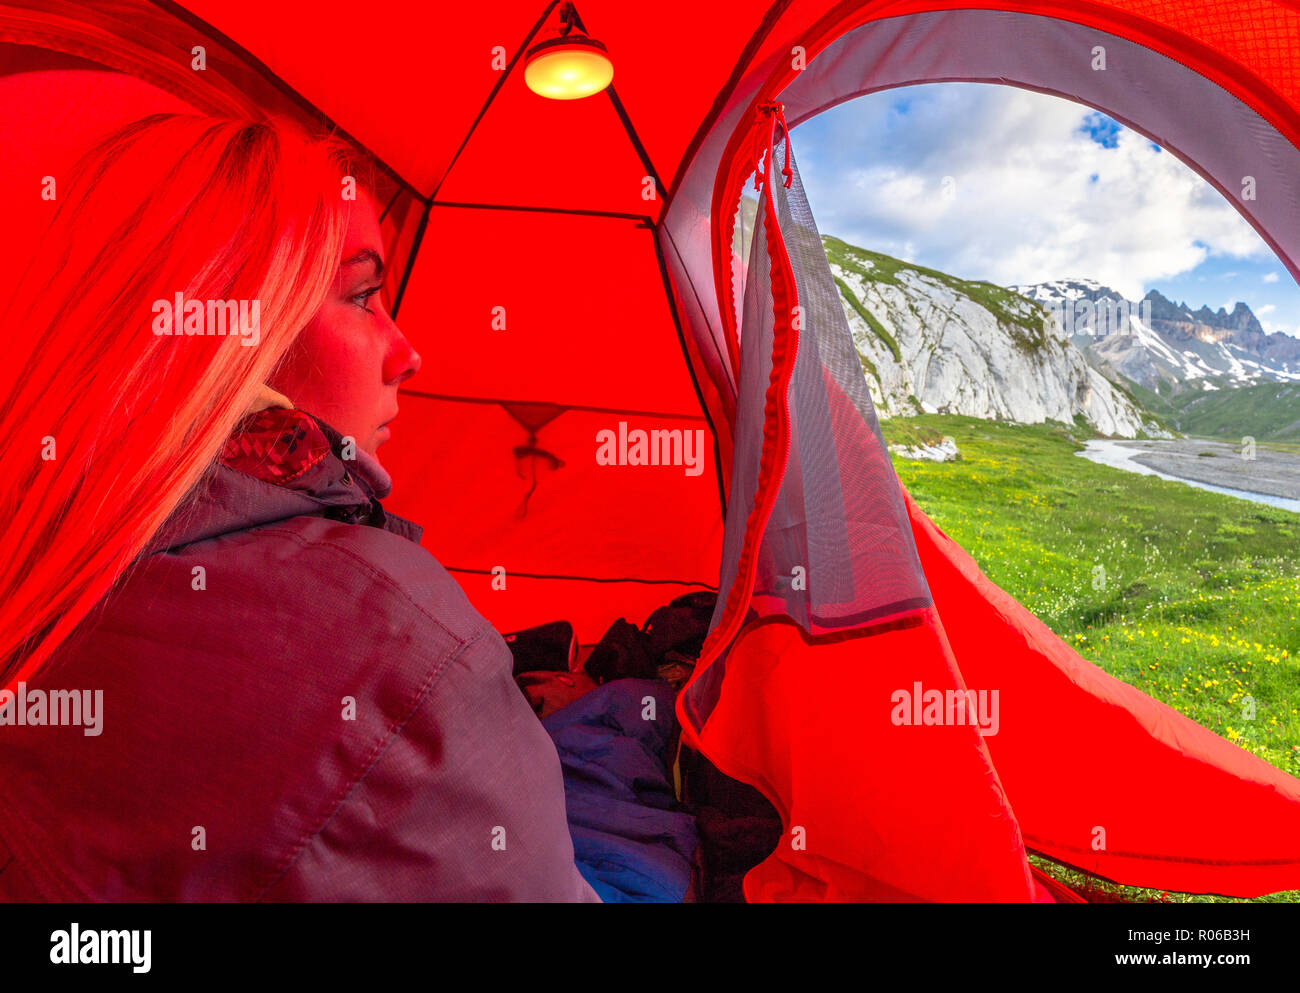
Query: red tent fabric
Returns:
{"type": "Point", "coordinates": [918, 751]}
{"type": "Point", "coordinates": [566, 268]}
{"type": "Point", "coordinates": [1078, 750]}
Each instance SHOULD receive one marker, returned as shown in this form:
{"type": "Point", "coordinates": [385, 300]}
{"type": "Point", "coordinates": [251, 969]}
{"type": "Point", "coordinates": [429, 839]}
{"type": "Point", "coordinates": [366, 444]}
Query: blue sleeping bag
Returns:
{"type": "Point", "coordinates": [631, 840]}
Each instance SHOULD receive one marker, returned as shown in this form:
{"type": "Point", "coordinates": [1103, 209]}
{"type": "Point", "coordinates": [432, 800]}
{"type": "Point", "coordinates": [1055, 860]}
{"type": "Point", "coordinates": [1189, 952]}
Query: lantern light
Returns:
{"type": "Point", "coordinates": [569, 66]}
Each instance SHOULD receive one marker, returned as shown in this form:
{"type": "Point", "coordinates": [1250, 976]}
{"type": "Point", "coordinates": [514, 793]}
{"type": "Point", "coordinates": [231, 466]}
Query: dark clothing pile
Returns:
{"type": "Point", "coordinates": [633, 841]}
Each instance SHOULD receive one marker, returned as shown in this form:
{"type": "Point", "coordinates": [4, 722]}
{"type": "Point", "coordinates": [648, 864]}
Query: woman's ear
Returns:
{"type": "Point", "coordinates": [267, 397]}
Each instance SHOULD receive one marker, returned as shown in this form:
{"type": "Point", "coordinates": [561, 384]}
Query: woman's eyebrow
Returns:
{"type": "Point", "coordinates": [366, 255]}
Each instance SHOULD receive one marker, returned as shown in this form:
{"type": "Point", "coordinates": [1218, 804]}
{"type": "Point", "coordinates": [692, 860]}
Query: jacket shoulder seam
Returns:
{"type": "Point", "coordinates": [368, 567]}
{"type": "Point", "coordinates": [367, 765]}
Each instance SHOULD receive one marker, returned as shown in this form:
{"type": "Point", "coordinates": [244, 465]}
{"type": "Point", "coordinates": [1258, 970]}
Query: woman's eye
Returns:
{"type": "Point", "coordinates": [363, 298]}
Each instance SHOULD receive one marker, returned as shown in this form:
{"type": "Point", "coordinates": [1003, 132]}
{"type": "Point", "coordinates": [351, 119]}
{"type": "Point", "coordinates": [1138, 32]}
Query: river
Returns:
{"type": "Point", "coordinates": [1122, 455]}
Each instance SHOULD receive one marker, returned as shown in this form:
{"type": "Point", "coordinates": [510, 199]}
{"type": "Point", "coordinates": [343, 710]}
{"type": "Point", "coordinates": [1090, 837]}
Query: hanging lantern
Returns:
{"type": "Point", "coordinates": [569, 66]}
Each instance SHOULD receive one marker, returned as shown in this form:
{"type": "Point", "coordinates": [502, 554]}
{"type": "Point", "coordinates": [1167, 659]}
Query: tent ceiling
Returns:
{"type": "Point", "coordinates": [410, 80]}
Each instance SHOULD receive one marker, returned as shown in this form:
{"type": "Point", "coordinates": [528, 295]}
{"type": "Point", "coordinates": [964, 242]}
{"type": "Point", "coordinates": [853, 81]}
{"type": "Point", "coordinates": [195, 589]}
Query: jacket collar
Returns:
{"type": "Point", "coordinates": [277, 464]}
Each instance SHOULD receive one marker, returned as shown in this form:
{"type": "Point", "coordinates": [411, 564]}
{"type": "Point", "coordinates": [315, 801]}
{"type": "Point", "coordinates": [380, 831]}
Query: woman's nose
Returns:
{"type": "Point", "coordinates": [403, 360]}
{"type": "Point", "coordinates": [413, 363]}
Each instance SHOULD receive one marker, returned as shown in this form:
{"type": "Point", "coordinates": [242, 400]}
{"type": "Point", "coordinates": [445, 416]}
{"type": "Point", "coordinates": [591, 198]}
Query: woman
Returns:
{"type": "Point", "coordinates": [229, 673]}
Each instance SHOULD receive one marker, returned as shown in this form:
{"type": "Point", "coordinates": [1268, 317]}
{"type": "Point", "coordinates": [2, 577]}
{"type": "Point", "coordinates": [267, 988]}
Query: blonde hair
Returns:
{"type": "Point", "coordinates": [106, 425]}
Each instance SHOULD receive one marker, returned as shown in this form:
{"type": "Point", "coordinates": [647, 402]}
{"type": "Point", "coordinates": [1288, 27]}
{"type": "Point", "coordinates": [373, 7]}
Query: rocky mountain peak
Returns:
{"type": "Point", "coordinates": [931, 342]}
{"type": "Point", "coordinates": [1168, 344]}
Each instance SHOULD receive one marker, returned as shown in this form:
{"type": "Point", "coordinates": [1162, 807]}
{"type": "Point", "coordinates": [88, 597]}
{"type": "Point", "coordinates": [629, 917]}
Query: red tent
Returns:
{"type": "Point", "coordinates": [566, 269]}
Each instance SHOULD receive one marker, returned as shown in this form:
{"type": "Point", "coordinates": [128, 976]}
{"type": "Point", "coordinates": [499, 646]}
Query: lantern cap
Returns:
{"type": "Point", "coordinates": [565, 41]}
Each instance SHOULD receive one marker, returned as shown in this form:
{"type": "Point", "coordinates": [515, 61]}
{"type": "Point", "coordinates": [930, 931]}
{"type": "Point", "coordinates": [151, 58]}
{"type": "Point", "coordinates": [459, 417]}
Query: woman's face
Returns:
{"type": "Point", "coordinates": [346, 365]}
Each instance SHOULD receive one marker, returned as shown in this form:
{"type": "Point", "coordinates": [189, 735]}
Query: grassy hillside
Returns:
{"type": "Point", "coordinates": [1159, 404]}
{"type": "Point", "coordinates": [1200, 604]}
{"type": "Point", "coordinates": [1024, 322]}
{"type": "Point", "coordinates": [1266, 412]}
{"type": "Point", "coordinates": [1269, 411]}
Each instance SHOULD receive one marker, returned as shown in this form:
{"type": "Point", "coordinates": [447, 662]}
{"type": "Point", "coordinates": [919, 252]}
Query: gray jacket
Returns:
{"type": "Point", "coordinates": [298, 703]}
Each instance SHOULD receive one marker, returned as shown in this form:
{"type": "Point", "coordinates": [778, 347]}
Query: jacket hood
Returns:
{"type": "Point", "coordinates": [277, 464]}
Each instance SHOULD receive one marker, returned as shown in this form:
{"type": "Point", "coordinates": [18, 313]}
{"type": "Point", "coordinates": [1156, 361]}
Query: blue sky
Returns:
{"type": "Point", "coordinates": [998, 183]}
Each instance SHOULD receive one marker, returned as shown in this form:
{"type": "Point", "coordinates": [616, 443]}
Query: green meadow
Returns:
{"type": "Point", "coordinates": [1190, 596]}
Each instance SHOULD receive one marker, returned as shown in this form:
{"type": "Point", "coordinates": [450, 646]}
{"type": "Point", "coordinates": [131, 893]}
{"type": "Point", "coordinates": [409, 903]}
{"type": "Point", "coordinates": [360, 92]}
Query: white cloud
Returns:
{"type": "Point", "coordinates": [1035, 200]}
{"type": "Point", "coordinates": [1270, 277]}
{"type": "Point", "coordinates": [1268, 308]}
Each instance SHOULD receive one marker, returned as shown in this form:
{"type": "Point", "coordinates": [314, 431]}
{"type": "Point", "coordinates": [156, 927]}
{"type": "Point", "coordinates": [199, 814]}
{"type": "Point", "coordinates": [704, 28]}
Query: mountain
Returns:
{"type": "Point", "coordinates": [930, 342]}
{"type": "Point", "coordinates": [1167, 347]}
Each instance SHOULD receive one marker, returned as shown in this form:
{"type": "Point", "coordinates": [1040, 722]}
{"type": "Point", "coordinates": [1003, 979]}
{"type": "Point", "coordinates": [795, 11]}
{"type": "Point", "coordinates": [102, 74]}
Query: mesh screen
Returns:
{"type": "Point", "coordinates": [841, 513]}
{"type": "Point", "coordinates": [838, 551]}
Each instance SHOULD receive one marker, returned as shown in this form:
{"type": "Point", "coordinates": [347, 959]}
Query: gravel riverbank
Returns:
{"type": "Point", "coordinates": [1272, 472]}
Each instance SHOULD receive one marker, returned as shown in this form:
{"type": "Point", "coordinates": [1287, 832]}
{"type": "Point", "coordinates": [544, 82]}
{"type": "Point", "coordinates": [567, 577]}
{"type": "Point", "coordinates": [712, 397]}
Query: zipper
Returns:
{"type": "Point", "coordinates": [723, 635]}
